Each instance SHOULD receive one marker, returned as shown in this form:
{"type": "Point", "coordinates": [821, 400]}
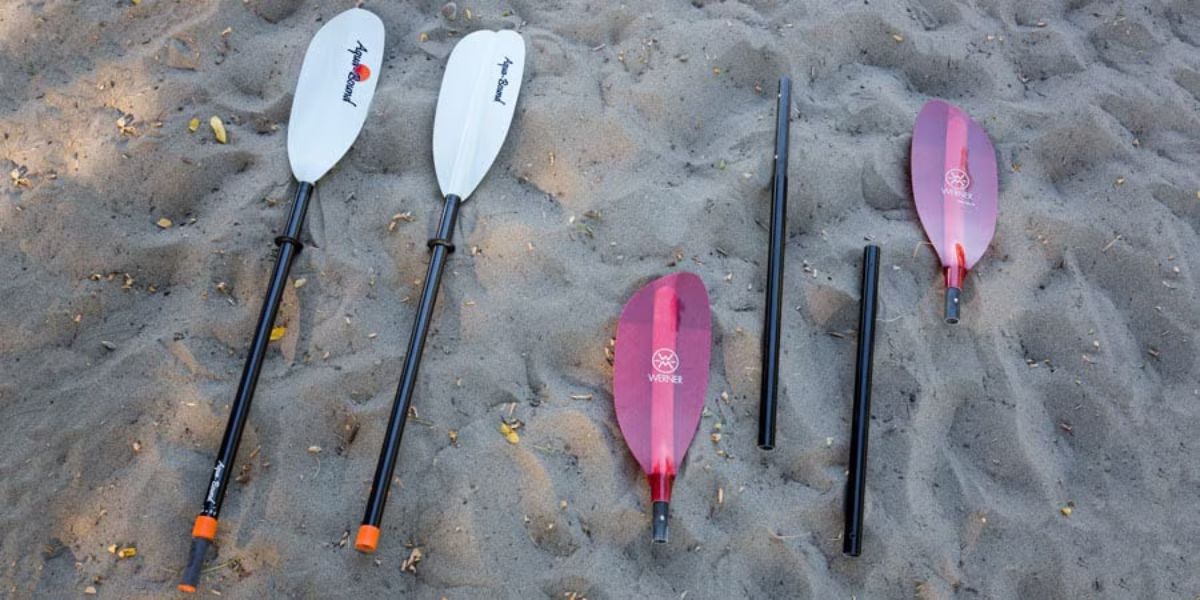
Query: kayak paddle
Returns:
{"type": "Point", "coordinates": [856, 480]}
{"type": "Point", "coordinates": [660, 378]}
{"type": "Point", "coordinates": [474, 110]}
{"type": "Point", "coordinates": [773, 317]}
{"type": "Point", "coordinates": [328, 111]}
{"type": "Point", "coordinates": [955, 188]}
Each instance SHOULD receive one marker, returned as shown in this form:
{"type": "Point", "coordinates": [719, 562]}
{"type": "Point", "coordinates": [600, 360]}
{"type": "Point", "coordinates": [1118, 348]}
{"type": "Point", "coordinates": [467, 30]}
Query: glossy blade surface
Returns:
{"type": "Point", "coordinates": [954, 183]}
{"type": "Point", "coordinates": [475, 107]}
{"type": "Point", "coordinates": [660, 369]}
{"type": "Point", "coordinates": [334, 92]}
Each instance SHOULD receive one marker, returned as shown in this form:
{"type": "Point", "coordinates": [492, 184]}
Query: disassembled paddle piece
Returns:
{"type": "Point", "coordinates": [660, 379]}
{"type": "Point", "coordinates": [856, 479]}
{"type": "Point", "coordinates": [955, 187]}
{"type": "Point", "coordinates": [773, 311]}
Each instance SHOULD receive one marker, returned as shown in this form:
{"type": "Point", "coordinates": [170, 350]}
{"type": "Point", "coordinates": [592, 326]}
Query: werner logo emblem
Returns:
{"type": "Point", "coordinates": [503, 82]}
{"type": "Point", "coordinates": [358, 72]}
{"type": "Point", "coordinates": [958, 179]}
{"type": "Point", "coordinates": [957, 182]}
{"type": "Point", "coordinates": [665, 361]}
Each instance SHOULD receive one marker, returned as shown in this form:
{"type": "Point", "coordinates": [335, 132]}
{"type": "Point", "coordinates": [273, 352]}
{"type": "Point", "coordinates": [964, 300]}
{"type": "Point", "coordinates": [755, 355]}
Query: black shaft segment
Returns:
{"type": "Point", "coordinates": [774, 296]}
{"type": "Point", "coordinates": [195, 565]}
{"type": "Point", "coordinates": [658, 524]}
{"type": "Point", "coordinates": [856, 483]}
{"type": "Point", "coordinates": [441, 248]}
{"type": "Point", "coordinates": [289, 247]}
{"type": "Point", "coordinates": [953, 295]}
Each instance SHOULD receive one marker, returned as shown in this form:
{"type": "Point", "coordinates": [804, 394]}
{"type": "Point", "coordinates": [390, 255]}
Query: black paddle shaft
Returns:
{"type": "Point", "coordinates": [953, 295]}
{"type": "Point", "coordinates": [773, 318]}
{"type": "Point", "coordinates": [856, 483]}
{"type": "Point", "coordinates": [441, 248]}
{"type": "Point", "coordinates": [289, 247]}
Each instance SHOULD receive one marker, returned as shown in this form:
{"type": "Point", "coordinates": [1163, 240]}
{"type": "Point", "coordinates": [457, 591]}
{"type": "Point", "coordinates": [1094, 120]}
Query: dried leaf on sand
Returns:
{"type": "Point", "coordinates": [509, 434]}
{"type": "Point", "coordinates": [218, 129]}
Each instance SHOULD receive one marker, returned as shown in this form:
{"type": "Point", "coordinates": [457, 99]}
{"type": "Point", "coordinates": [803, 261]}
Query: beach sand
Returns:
{"type": "Point", "coordinates": [641, 147]}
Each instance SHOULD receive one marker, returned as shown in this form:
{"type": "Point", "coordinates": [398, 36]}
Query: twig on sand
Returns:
{"type": "Point", "coordinates": [1110, 244]}
{"type": "Point", "coordinates": [918, 247]}
{"type": "Point", "coordinates": [220, 566]}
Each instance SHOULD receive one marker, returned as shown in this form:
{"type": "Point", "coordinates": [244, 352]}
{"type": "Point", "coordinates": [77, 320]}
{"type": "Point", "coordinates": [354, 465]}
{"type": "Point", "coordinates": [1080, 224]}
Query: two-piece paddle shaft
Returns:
{"type": "Point", "coordinates": [856, 481]}
{"type": "Point", "coordinates": [660, 377]}
{"type": "Point", "coordinates": [474, 110]}
{"type": "Point", "coordinates": [773, 315]}
{"type": "Point", "coordinates": [955, 187]}
{"type": "Point", "coordinates": [332, 97]}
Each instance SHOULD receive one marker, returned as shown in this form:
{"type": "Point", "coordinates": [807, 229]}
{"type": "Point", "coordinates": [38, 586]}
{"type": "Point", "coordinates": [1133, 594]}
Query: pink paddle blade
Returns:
{"type": "Point", "coordinates": [955, 188]}
{"type": "Point", "coordinates": [660, 379]}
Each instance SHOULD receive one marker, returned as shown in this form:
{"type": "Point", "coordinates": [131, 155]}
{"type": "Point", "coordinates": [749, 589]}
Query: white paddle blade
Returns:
{"type": "Point", "coordinates": [475, 107]}
{"type": "Point", "coordinates": [337, 82]}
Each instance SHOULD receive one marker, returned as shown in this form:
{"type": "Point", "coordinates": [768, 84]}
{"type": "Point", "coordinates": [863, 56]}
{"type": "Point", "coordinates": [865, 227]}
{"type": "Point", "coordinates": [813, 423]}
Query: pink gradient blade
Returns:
{"type": "Point", "coordinates": [956, 188]}
{"type": "Point", "coordinates": [660, 374]}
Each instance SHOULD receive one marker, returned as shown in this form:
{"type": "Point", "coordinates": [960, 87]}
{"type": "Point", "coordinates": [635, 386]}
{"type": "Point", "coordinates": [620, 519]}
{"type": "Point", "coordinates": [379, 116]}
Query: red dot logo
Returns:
{"type": "Point", "coordinates": [362, 72]}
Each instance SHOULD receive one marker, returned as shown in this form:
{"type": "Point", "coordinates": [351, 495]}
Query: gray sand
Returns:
{"type": "Point", "coordinates": [1071, 382]}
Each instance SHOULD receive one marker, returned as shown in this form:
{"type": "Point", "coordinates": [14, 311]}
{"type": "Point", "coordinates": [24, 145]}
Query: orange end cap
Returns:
{"type": "Point", "coordinates": [205, 527]}
{"type": "Point", "coordinates": [191, 589]}
{"type": "Point", "coordinates": [367, 539]}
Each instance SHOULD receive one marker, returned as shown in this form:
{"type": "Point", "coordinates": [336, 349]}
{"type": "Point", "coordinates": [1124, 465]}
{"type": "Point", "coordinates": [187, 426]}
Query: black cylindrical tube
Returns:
{"type": "Point", "coordinates": [240, 410]}
{"type": "Point", "coordinates": [856, 484]}
{"type": "Point", "coordinates": [659, 521]}
{"type": "Point", "coordinates": [191, 573]}
{"type": "Point", "coordinates": [289, 246]}
{"type": "Point", "coordinates": [441, 246]}
{"type": "Point", "coordinates": [953, 295]}
{"type": "Point", "coordinates": [773, 313]}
